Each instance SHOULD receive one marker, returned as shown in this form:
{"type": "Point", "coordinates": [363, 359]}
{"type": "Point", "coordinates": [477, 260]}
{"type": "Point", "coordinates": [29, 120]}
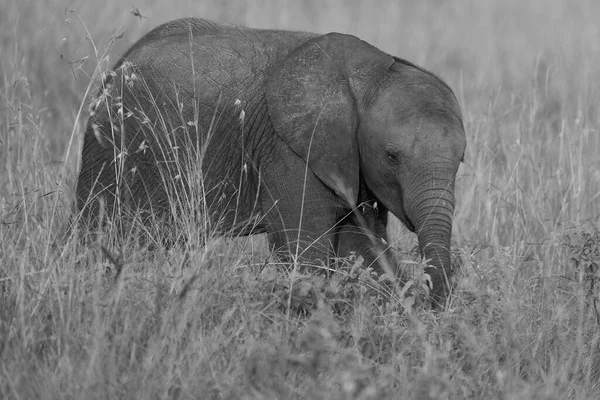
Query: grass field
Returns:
{"type": "Point", "coordinates": [219, 322]}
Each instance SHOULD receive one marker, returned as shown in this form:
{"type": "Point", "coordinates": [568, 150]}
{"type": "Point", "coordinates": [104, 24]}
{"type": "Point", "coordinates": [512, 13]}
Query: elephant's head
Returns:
{"type": "Point", "coordinates": [353, 112]}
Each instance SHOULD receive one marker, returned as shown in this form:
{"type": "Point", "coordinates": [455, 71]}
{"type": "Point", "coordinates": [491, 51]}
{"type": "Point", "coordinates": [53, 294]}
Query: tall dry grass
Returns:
{"type": "Point", "coordinates": [221, 321]}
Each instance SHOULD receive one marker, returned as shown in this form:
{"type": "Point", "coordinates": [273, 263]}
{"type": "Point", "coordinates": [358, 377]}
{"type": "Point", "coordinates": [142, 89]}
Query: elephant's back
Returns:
{"type": "Point", "coordinates": [189, 34]}
{"type": "Point", "coordinates": [212, 63]}
{"type": "Point", "coordinates": [174, 31]}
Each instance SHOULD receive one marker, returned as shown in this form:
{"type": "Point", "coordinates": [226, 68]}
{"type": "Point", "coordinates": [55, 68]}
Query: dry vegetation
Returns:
{"type": "Point", "coordinates": [219, 321]}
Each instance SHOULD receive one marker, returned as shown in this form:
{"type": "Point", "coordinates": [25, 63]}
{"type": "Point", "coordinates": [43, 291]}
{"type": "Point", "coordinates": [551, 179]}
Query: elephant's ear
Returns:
{"type": "Point", "coordinates": [314, 98]}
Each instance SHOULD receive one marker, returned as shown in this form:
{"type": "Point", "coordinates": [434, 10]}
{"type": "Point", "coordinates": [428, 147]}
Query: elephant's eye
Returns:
{"type": "Point", "coordinates": [393, 155]}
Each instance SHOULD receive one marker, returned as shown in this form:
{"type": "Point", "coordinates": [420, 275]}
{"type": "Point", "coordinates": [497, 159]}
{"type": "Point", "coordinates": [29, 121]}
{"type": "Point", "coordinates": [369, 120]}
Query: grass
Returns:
{"type": "Point", "coordinates": [223, 321]}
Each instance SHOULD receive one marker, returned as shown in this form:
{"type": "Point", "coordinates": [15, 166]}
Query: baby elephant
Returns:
{"type": "Point", "coordinates": [309, 138]}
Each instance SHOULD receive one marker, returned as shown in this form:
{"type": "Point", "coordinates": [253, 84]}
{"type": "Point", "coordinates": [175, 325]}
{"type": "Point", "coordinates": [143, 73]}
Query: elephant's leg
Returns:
{"type": "Point", "coordinates": [366, 235]}
{"type": "Point", "coordinates": [300, 211]}
{"type": "Point", "coordinates": [96, 180]}
{"type": "Point", "coordinates": [304, 227]}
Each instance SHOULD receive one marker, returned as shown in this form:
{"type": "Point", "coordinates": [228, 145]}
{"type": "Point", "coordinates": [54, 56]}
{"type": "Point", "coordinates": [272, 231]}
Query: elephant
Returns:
{"type": "Point", "coordinates": [310, 138]}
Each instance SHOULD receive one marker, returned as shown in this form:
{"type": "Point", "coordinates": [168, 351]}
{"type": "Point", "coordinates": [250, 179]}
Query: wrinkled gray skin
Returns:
{"type": "Point", "coordinates": [378, 134]}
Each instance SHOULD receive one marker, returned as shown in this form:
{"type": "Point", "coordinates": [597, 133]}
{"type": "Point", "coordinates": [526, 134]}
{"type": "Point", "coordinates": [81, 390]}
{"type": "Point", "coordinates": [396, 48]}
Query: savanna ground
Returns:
{"type": "Point", "coordinates": [222, 321]}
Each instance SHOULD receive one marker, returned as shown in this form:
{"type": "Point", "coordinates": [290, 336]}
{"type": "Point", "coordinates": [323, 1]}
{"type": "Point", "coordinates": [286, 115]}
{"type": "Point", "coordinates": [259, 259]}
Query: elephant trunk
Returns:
{"type": "Point", "coordinates": [431, 209]}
